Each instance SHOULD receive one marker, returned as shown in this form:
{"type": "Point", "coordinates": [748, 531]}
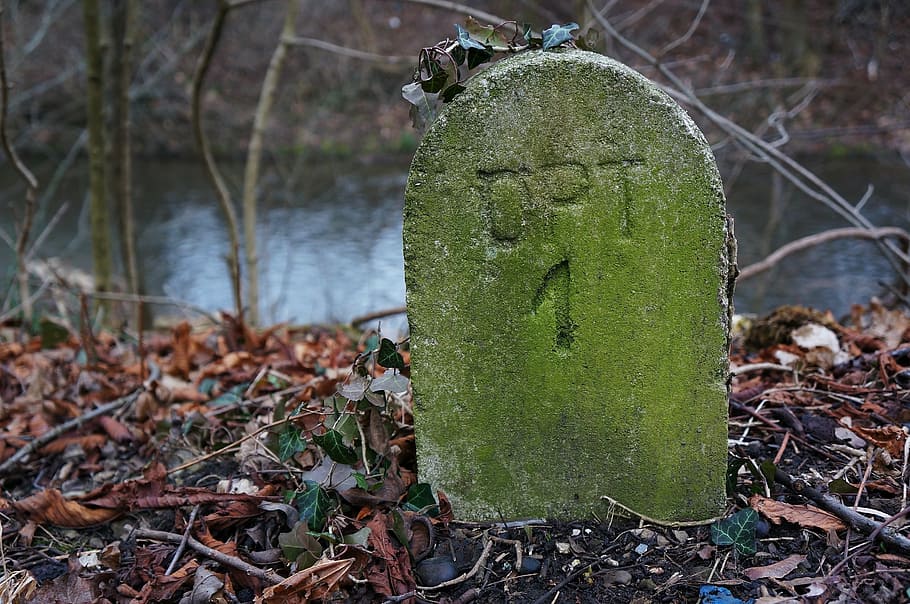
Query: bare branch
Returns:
{"type": "Point", "coordinates": [345, 51]}
{"type": "Point", "coordinates": [269, 576]}
{"type": "Point", "coordinates": [817, 239]}
{"type": "Point", "coordinates": [692, 27]}
{"type": "Point", "coordinates": [457, 7]}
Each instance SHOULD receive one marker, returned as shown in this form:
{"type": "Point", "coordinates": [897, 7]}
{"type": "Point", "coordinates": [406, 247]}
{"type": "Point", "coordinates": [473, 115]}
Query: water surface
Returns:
{"type": "Point", "coordinates": [330, 235]}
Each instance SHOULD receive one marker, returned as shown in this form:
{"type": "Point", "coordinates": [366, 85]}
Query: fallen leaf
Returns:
{"type": "Point", "coordinates": [49, 506]}
{"type": "Point", "coordinates": [206, 585]}
{"type": "Point", "coordinates": [803, 515]}
{"type": "Point", "coordinates": [778, 570]}
{"type": "Point", "coordinates": [389, 572]}
{"type": "Point", "coordinates": [115, 429]}
{"type": "Point", "coordinates": [309, 584]}
{"type": "Point", "coordinates": [891, 438]}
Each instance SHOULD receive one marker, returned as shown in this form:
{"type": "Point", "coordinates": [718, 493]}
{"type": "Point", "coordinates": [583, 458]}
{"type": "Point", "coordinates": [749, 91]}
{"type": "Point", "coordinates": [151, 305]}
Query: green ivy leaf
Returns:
{"type": "Point", "coordinates": [555, 35]}
{"type": "Point", "coordinates": [313, 505]}
{"type": "Point", "coordinates": [737, 530]}
{"type": "Point", "coordinates": [526, 32]}
{"type": "Point", "coordinates": [478, 57]}
{"type": "Point", "coordinates": [458, 55]}
{"type": "Point", "coordinates": [332, 442]}
{"type": "Point", "coordinates": [423, 105]}
{"type": "Point", "coordinates": [487, 35]}
{"type": "Point", "coordinates": [420, 497]}
{"type": "Point", "coordinates": [733, 467]}
{"type": "Point", "coordinates": [230, 397]}
{"type": "Point", "coordinates": [390, 381]}
{"type": "Point", "coordinates": [436, 82]}
{"type": "Point", "coordinates": [842, 487]}
{"type": "Point", "coordinates": [399, 528]}
{"type": "Point", "coordinates": [465, 40]}
{"type": "Point", "coordinates": [451, 92]}
{"type": "Point", "coordinates": [290, 443]}
{"type": "Point", "coordinates": [388, 355]}
{"type": "Point", "coordinates": [358, 538]}
{"type": "Point", "coordinates": [355, 387]}
{"type": "Point", "coordinates": [299, 546]}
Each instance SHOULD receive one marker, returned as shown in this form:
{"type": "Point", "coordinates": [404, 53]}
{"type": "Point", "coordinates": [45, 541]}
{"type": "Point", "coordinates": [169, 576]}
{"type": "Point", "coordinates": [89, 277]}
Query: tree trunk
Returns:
{"type": "Point", "coordinates": [221, 190]}
{"type": "Point", "coordinates": [98, 211]}
{"type": "Point", "coordinates": [23, 229]}
{"type": "Point", "coordinates": [254, 159]}
{"type": "Point", "coordinates": [755, 43]}
{"type": "Point", "coordinates": [120, 161]}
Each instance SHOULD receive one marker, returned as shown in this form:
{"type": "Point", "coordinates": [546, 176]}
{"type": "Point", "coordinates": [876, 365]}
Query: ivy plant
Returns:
{"type": "Point", "coordinates": [443, 67]}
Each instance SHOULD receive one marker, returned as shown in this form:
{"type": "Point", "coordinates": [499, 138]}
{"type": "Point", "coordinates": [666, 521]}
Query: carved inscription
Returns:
{"type": "Point", "coordinates": [556, 287]}
{"type": "Point", "coordinates": [509, 195]}
{"type": "Point", "coordinates": [623, 167]}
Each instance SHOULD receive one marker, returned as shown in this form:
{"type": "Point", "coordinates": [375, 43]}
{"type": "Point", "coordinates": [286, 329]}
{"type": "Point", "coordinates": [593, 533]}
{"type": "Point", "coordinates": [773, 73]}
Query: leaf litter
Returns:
{"type": "Point", "coordinates": [227, 464]}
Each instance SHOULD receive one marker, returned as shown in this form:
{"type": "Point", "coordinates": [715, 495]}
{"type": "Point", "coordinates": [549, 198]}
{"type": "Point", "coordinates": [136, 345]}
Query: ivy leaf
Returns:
{"type": "Point", "coordinates": [555, 35]}
{"type": "Point", "coordinates": [420, 497]}
{"type": "Point", "coordinates": [388, 355]}
{"type": "Point", "coordinates": [478, 57]}
{"type": "Point", "coordinates": [465, 40]}
{"type": "Point", "coordinates": [423, 105]}
{"type": "Point", "coordinates": [390, 381]}
{"type": "Point", "coordinates": [290, 443]}
{"type": "Point", "coordinates": [298, 545]}
{"type": "Point", "coordinates": [737, 530]}
{"type": "Point", "coordinates": [451, 92]}
{"type": "Point", "coordinates": [358, 538]}
{"type": "Point", "coordinates": [733, 467]}
{"type": "Point", "coordinates": [433, 76]}
{"type": "Point", "coordinates": [332, 442]}
{"type": "Point", "coordinates": [487, 35]}
{"type": "Point", "coordinates": [353, 390]}
{"type": "Point", "coordinates": [458, 55]}
{"type": "Point", "coordinates": [313, 505]}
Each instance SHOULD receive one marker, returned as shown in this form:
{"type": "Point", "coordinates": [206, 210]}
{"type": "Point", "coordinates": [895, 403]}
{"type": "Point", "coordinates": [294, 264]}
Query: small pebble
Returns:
{"type": "Point", "coordinates": [529, 565]}
{"type": "Point", "coordinates": [434, 571]}
{"type": "Point", "coordinates": [618, 577]}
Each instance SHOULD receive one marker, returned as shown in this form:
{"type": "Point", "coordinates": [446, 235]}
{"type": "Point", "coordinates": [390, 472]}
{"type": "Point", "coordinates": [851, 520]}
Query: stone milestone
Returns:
{"type": "Point", "coordinates": [568, 264]}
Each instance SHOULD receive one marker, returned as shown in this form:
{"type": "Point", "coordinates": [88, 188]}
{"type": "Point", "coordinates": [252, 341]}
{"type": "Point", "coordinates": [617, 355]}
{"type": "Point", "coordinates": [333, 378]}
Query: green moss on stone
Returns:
{"type": "Point", "coordinates": [566, 267]}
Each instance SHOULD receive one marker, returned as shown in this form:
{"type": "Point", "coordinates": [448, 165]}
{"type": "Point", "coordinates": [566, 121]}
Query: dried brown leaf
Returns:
{"type": "Point", "coordinates": [778, 570]}
{"type": "Point", "coordinates": [115, 429]}
{"type": "Point", "coordinates": [803, 515]}
{"type": "Point", "coordinates": [891, 438]}
{"type": "Point", "coordinates": [309, 584]}
{"type": "Point", "coordinates": [49, 506]}
{"type": "Point", "coordinates": [389, 572]}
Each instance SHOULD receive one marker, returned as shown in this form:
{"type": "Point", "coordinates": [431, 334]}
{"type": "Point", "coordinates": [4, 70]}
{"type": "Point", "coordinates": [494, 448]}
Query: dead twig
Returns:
{"type": "Point", "coordinates": [649, 520]}
{"type": "Point", "coordinates": [857, 521]}
{"type": "Point", "coordinates": [266, 575]}
{"type": "Point", "coordinates": [50, 435]}
{"type": "Point", "coordinates": [186, 537]}
{"type": "Point", "coordinates": [379, 314]}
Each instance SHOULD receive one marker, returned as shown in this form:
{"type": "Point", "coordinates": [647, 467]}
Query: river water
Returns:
{"type": "Point", "coordinates": [330, 235]}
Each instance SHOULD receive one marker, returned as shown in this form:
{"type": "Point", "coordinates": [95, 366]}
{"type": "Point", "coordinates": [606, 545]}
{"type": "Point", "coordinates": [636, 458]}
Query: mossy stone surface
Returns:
{"type": "Point", "coordinates": [567, 261]}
